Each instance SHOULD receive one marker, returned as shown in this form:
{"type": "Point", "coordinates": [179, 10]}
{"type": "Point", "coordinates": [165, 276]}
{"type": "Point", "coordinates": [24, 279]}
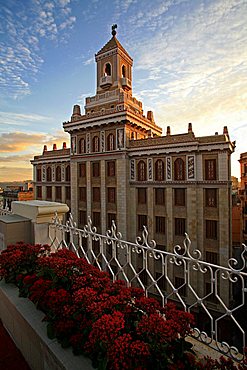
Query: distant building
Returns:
{"type": "Point", "coordinates": [235, 183]}
{"type": "Point", "coordinates": [121, 168]}
{"type": "Point", "coordinates": [243, 195]}
{"type": "Point", "coordinates": [17, 192]}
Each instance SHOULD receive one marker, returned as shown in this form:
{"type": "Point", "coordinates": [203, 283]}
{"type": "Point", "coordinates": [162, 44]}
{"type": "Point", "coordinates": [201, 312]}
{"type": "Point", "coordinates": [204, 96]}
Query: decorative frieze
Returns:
{"type": "Point", "coordinates": [43, 173]}
{"type": "Point", "coordinates": [53, 173]}
{"type": "Point", "coordinates": [168, 168]}
{"type": "Point", "coordinates": [190, 167]}
{"type": "Point", "coordinates": [73, 145]}
{"type": "Point", "coordinates": [102, 141]}
{"type": "Point", "coordinates": [132, 170]}
{"type": "Point", "coordinates": [150, 169]}
{"type": "Point", "coordinates": [62, 172]}
{"type": "Point", "coordinates": [120, 138]}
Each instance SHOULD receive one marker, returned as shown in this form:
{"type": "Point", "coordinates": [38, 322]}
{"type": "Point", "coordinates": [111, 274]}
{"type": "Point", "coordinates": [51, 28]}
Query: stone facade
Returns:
{"type": "Point", "coordinates": [123, 169]}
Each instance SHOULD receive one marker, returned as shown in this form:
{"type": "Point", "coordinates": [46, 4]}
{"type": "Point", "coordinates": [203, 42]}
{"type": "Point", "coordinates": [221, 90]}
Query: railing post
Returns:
{"type": "Point", "coordinates": [41, 214]}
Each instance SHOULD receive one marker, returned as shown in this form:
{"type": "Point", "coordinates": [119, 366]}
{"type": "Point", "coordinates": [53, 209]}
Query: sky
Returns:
{"type": "Point", "coordinates": [190, 65]}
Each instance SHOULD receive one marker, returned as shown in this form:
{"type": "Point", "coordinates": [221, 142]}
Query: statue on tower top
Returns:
{"type": "Point", "coordinates": [114, 32]}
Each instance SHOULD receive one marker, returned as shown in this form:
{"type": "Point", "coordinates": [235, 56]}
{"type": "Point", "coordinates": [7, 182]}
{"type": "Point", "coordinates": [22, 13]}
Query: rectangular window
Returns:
{"type": "Point", "coordinates": [179, 282]}
{"type": "Point", "coordinates": [111, 169]}
{"type": "Point", "coordinates": [210, 169]}
{"type": "Point", "coordinates": [159, 196]}
{"type": "Point", "coordinates": [67, 193]}
{"type": "Point", "coordinates": [141, 221]}
{"type": "Point", "coordinates": [180, 226]}
{"type": "Point", "coordinates": [211, 229]}
{"type": "Point", "coordinates": [160, 225]}
{"type": "Point", "coordinates": [82, 194]}
{"type": "Point", "coordinates": [212, 257]}
{"type": "Point", "coordinates": [111, 195]}
{"type": "Point", "coordinates": [96, 194]}
{"type": "Point", "coordinates": [111, 217]}
{"type": "Point", "coordinates": [142, 195]}
{"type": "Point", "coordinates": [38, 174]}
{"type": "Point", "coordinates": [49, 193]}
{"type": "Point", "coordinates": [211, 197]}
{"type": "Point", "coordinates": [179, 197]}
{"type": "Point", "coordinates": [39, 192]}
{"type": "Point", "coordinates": [58, 193]}
{"type": "Point", "coordinates": [82, 170]}
{"type": "Point", "coordinates": [96, 169]}
{"type": "Point", "coordinates": [96, 220]}
{"type": "Point", "coordinates": [82, 218]}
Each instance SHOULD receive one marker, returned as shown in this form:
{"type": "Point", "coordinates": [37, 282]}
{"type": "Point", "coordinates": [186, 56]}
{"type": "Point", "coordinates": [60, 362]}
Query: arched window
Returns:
{"type": "Point", "coordinates": [107, 71]}
{"type": "Point", "coordinates": [95, 144]}
{"type": "Point", "coordinates": [48, 174]}
{"type": "Point", "coordinates": [110, 142]}
{"type": "Point", "coordinates": [179, 169]}
{"type": "Point", "coordinates": [82, 146]}
{"type": "Point", "coordinates": [58, 173]}
{"type": "Point", "coordinates": [123, 71]}
{"type": "Point", "coordinates": [67, 173]}
{"type": "Point", "coordinates": [142, 171]}
{"type": "Point", "coordinates": [159, 170]}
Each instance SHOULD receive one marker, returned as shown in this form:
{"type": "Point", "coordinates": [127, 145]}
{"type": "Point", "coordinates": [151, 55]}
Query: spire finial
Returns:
{"type": "Point", "coordinates": [113, 30]}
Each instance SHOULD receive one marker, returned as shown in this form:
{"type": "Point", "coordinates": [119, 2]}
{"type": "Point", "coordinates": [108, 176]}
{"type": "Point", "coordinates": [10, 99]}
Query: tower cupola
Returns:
{"type": "Point", "coordinates": [114, 66]}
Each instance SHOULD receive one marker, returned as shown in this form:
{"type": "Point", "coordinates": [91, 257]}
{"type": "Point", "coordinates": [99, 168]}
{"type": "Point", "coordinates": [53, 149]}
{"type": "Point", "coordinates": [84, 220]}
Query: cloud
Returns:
{"type": "Point", "coordinates": [29, 142]}
{"type": "Point", "coordinates": [15, 158]}
{"type": "Point", "coordinates": [16, 173]}
{"type": "Point", "coordinates": [19, 119]}
{"type": "Point", "coordinates": [24, 31]}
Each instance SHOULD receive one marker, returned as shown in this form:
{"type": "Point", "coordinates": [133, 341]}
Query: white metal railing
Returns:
{"type": "Point", "coordinates": [215, 294]}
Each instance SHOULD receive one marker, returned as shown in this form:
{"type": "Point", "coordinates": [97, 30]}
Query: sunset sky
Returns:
{"type": "Point", "coordinates": [190, 65]}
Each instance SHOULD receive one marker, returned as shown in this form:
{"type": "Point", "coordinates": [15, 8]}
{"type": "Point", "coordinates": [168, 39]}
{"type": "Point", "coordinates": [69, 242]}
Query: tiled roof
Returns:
{"type": "Point", "coordinates": [112, 44]}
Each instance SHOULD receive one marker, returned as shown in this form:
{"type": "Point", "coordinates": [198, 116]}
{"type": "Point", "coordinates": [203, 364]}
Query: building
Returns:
{"type": "Point", "coordinates": [243, 196]}
{"type": "Point", "coordinates": [22, 192]}
{"type": "Point", "coordinates": [120, 167]}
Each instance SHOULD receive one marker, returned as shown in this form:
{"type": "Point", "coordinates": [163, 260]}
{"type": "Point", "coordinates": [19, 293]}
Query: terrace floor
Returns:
{"type": "Point", "coordinates": [10, 357]}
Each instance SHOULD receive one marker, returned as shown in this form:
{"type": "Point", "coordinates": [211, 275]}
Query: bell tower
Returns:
{"type": "Point", "coordinates": [114, 66]}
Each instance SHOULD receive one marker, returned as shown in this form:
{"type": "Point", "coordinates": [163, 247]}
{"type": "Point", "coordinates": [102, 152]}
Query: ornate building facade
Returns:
{"type": "Point", "coordinates": [243, 197]}
{"type": "Point", "coordinates": [120, 167]}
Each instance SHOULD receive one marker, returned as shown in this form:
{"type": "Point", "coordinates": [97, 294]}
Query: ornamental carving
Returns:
{"type": "Point", "coordinates": [132, 169]}
{"type": "Point", "coordinates": [150, 169]}
{"type": "Point", "coordinates": [191, 167]}
{"type": "Point", "coordinates": [168, 168]}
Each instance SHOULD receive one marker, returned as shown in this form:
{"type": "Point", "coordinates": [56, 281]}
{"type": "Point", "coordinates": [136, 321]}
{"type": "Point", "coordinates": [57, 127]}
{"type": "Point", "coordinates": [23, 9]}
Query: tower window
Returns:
{"type": "Point", "coordinates": [110, 142]}
{"type": "Point", "coordinates": [67, 173]}
{"type": "Point", "coordinates": [123, 71]}
{"type": "Point", "coordinates": [95, 144]}
{"type": "Point", "coordinates": [179, 170]}
{"type": "Point", "coordinates": [82, 146]}
{"type": "Point", "coordinates": [159, 170]}
{"type": "Point", "coordinates": [58, 173]}
{"type": "Point", "coordinates": [142, 171]}
{"type": "Point", "coordinates": [107, 71]}
{"type": "Point", "coordinates": [48, 174]}
{"type": "Point", "coordinates": [210, 169]}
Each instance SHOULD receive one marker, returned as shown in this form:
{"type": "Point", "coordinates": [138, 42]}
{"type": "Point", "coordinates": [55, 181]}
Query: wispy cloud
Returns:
{"type": "Point", "coordinates": [24, 26]}
{"type": "Point", "coordinates": [33, 142]}
{"type": "Point", "coordinates": [19, 119]}
{"type": "Point", "coordinates": [16, 173]}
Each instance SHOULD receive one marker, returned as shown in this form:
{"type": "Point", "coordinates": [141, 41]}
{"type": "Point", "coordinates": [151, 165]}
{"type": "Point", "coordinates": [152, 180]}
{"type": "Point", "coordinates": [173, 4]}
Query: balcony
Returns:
{"type": "Point", "coordinates": [105, 81]}
{"type": "Point", "coordinates": [126, 83]}
{"type": "Point", "coordinates": [87, 242]}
